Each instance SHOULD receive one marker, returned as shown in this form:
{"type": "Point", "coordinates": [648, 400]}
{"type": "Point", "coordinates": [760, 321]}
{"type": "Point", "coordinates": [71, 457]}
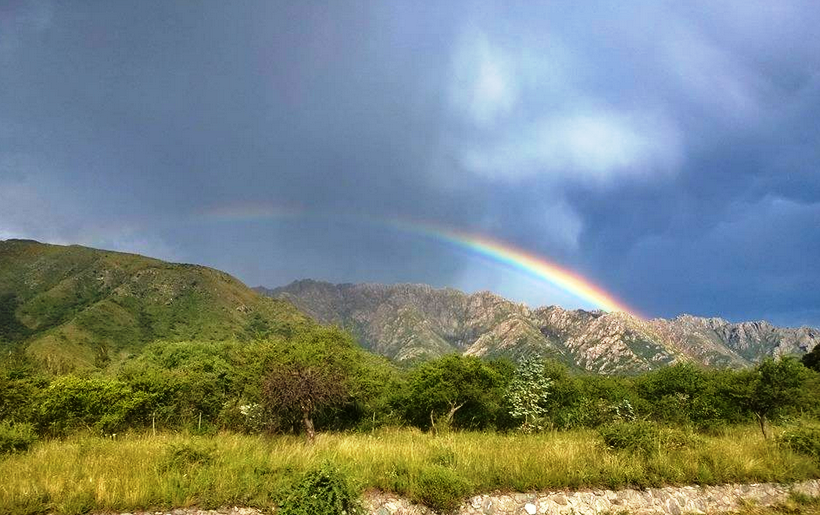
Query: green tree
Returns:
{"type": "Point", "coordinates": [812, 359]}
{"type": "Point", "coordinates": [191, 381]}
{"type": "Point", "coordinates": [102, 405]}
{"type": "Point", "coordinates": [528, 392]}
{"type": "Point", "coordinates": [773, 387]}
{"type": "Point", "coordinates": [442, 389]}
{"type": "Point", "coordinates": [679, 394]}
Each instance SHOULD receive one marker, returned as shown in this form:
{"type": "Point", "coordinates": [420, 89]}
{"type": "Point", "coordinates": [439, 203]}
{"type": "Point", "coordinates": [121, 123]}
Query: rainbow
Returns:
{"type": "Point", "coordinates": [521, 260]}
{"type": "Point", "coordinates": [494, 250]}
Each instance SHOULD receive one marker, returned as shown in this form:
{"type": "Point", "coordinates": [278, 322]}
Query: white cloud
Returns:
{"type": "Point", "coordinates": [484, 85]}
{"type": "Point", "coordinates": [560, 225]}
{"type": "Point", "coordinates": [592, 145]}
{"type": "Point", "coordinates": [537, 118]}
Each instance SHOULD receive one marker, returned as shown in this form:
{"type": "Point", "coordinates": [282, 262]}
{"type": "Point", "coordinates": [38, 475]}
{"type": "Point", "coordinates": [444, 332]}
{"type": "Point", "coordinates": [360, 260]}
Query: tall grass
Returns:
{"type": "Point", "coordinates": [140, 471]}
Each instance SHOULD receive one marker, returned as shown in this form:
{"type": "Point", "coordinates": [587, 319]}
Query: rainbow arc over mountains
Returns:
{"type": "Point", "coordinates": [491, 249]}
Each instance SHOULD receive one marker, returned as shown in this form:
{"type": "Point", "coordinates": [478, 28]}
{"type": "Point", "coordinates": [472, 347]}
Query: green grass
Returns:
{"type": "Point", "coordinates": [136, 472]}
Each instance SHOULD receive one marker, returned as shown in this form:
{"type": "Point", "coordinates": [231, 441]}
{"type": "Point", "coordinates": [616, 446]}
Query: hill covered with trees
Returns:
{"type": "Point", "coordinates": [76, 307]}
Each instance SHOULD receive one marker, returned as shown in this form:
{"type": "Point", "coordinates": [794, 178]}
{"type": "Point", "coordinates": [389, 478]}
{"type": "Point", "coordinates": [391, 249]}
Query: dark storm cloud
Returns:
{"type": "Point", "coordinates": [667, 151]}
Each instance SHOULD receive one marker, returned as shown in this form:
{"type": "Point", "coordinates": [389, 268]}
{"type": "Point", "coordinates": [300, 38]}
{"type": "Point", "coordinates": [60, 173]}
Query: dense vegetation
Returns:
{"type": "Point", "coordinates": [212, 419]}
{"type": "Point", "coordinates": [241, 386]}
{"type": "Point", "coordinates": [73, 307]}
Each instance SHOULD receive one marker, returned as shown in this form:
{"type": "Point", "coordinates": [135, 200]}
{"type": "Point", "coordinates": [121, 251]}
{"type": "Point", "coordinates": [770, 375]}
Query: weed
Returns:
{"type": "Point", "coordinates": [441, 488]}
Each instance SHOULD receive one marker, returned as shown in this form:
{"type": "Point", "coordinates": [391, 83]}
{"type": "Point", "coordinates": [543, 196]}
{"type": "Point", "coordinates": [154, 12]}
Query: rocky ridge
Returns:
{"type": "Point", "coordinates": [407, 322]}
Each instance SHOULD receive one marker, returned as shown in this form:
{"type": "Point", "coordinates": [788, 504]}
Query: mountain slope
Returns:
{"type": "Point", "coordinates": [407, 321]}
{"type": "Point", "coordinates": [74, 306]}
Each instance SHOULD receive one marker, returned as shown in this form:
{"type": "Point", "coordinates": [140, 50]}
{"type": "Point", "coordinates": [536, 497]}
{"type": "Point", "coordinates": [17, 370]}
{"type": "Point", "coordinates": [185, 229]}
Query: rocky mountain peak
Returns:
{"type": "Point", "coordinates": [416, 321]}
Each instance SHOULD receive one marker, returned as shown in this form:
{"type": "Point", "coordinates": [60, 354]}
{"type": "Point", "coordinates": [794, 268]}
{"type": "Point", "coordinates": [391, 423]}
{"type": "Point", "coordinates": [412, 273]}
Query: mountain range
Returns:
{"type": "Point", "coordinates": [73, 307]}
{"type": "Point", "coordinates": [76, 307]}
{"type": "Point", "coordinates": [409, 322]}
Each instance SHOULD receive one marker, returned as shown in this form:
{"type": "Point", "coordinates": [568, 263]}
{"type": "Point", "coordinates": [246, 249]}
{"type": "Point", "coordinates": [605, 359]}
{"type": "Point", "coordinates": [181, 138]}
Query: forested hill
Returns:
{"type": "Point", "coordinates": [73, 306]}
{"type": "Point", "coordinates": [416, 321]}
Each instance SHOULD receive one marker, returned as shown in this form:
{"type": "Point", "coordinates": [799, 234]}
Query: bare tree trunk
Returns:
{"type": "Point", "coordinates": [433, 424]}
{"type": "Point", "coordinates": [310, 432]}
{"type": "Point", "coordinates": [761, 419]}
{"type": "Point", "coordinates": [452, 412]}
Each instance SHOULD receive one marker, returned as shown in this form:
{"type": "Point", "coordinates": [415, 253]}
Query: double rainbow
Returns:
{"type": "Point", "coordinates": [494, 250]}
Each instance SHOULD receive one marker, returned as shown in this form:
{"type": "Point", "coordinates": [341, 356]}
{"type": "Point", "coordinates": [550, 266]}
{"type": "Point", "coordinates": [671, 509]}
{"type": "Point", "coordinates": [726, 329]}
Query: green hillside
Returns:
{"type": "Point", "coordinates": [73, 306]}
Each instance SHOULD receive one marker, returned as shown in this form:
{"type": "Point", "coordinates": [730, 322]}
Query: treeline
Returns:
{"type": "Point", "coordinates": [321, 380]}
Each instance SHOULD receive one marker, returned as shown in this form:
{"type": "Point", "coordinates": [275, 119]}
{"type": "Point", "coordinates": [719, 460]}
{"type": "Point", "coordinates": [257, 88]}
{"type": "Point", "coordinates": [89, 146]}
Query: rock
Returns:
{"type": "Point", "coordinates": [408, 321]}
{"type": "Point", "coordinates": [663, 501]}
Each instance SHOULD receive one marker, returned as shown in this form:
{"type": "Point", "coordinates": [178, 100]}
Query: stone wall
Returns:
{"type": "Point", "coordinates": [666, 501]}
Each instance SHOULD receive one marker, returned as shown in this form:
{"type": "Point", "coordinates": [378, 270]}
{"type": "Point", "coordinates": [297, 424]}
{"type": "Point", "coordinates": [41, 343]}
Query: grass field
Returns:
{"type": "Point", "coordinates": [140, 471]}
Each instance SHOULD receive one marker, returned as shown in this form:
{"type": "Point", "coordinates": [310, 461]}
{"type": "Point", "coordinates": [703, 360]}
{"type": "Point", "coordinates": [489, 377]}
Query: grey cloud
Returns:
{"type": "Point", "coordinates": [648, 146]}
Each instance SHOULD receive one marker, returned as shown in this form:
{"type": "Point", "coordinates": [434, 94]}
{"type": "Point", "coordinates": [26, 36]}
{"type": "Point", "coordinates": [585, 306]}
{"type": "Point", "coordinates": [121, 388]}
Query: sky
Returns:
{"type": "Point", "coordinates": [668, 152]}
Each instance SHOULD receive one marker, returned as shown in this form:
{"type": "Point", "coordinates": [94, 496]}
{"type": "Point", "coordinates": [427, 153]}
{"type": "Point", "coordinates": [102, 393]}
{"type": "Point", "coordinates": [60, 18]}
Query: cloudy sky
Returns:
{"type": "Point", "coordinates": [669, 152]}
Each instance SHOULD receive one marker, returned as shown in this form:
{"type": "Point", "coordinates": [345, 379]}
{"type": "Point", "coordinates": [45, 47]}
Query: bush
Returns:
{"type": "Point", "coordinates": [632, 436]}
{"type": "Point", "coordinates": [647, 437]}
{"type": "Point", "coordinates": [186, 454]}
{"type": "Point", "coordinates": [16, 437]}
{"type": "Point", "coordinates": [801, 439]}
{"type": "Point", "coordinates": [440, 488]}
{"type": "Point", "coordinates": [678, 438]}
{"type": "Point", "coordinates": [322, 491]}
{"type": "Point", "coordinates": [104, 405]}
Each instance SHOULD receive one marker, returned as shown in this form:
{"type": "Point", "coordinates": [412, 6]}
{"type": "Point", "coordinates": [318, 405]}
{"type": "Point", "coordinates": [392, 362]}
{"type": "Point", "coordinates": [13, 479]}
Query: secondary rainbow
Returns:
{"type": "Point", "coordinates": [492, 249]}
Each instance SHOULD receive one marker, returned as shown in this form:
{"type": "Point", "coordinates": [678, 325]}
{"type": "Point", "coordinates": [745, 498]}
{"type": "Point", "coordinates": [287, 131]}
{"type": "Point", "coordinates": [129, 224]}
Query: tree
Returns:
{"type": "Point", "coordinates": [528, 392]}
{"type": "Point", "coordinates": [812, 359]}
{"type": "Point", "coordinates": [302, 388]}
{"type": "Point", "coordinates": [772, 387]}
{"type": "Point", "coordinates": [681, 393]}
{"type": "Point", "coordinates": [452, 385]}
{"type": "Point", "coordinates": [308, 374]}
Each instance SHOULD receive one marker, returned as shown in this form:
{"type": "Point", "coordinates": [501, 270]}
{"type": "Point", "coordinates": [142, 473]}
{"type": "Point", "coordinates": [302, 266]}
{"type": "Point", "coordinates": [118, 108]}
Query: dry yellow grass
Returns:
{"type": "Point", "coordinates": [142, 471]}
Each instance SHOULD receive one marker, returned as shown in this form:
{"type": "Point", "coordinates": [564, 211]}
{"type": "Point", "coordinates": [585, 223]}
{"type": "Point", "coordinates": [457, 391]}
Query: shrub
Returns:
{"type": "Point", "coordinates": [678, 438]}
{"type": "Point", "coordinates": [441, 488]}
{"type": "Point", "coordinates": [16, 437]}
{"type": "Point", "coordinates": [245, 417]}
{"type": "Point", "coordinates": [802, 439]}
{"type": "Point", "coordinates": [632, 436]}
{"type": "Point", "coordinates": [322, 491]}
{"type": "Point", "coordinates": [104, 405]}
{"type": "Point", "coordinates": [185, 454]}
{"type": "Point", "coordinates": [647, 437]}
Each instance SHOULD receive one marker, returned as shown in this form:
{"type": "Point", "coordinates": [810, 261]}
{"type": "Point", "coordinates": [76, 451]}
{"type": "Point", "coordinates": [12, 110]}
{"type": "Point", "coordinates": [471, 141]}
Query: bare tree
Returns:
{"type": "Point", "coordinates": [301, 389]}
